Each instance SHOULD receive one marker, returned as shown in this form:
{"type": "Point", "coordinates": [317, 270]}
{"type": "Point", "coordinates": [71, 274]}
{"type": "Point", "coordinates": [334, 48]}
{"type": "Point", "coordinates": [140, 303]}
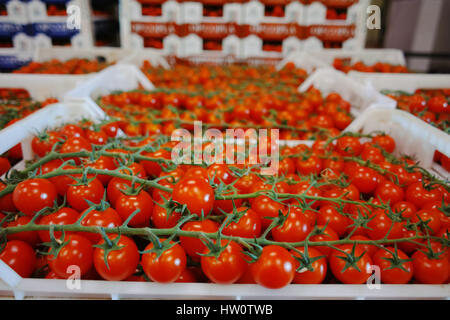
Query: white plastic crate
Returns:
{"type": "Point", "coordinates": [111, 55]}
{"type": "Point", "coordinates": [408, 82]}
{"type": "Point", "coordinates": [360, 97]}
{"type": "Point", "coordinates": [122, 77]}
{"type": "Point", "coordinates": [314, 59]}
{"type": "Point", "coordinates": [413, 136]}
{"type": "Point", "coordinates": [51, 116]}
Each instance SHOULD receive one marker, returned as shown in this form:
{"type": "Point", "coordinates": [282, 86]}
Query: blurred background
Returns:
{"type": "Point", "coordinates": [267, 29]}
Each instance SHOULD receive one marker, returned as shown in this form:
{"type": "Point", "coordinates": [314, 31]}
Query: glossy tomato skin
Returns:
{"type": "Point", "coordinates": [20, 256]}
{"type": "Point", "coordinates": [6, 202]}
{"type": "Point", "coordinates": [384, 141]}
{"type": "Point", "coordinates": [167, 267]}
{"type": "Point", "coordinates": [78, 194]}
{"type": "Point", "coordinates": [337, 221]}
{"type": "Point", "coordinates": [77, 252]}
{"type": "Point", "coordinates": [248, 226]}
{"type": "Point", "coordinates": [315, 276]}
{"type": "Point", "coordinates": [419, 196]}
{"type": "Point", "coordinates": [228, 267]}
{"type": "Point", "coordinates": [430, 271]}
{"type": "Point", "coordinates": [122, 263]}
{"type": "Point", "coordinates": [351, 275]}
{"type": "Point", "coordinates": [380, 225]}
{"type": "Point", "coordinates": [43, 146]}
{"type": "Point", "coordinates": [160, 217]}
{"type": "Point", "coordinates": [275, 267]}
{"type": "Point", "coordinates": [328, 234]}
{"type": "Point", "coordinates": [63, 216]}
{"type": "Point", "coordinates": [108, 218]}
{"type": "Point", "coordinates": [295, 228]}
{"type": "Point", "coordinates": [193, 246]}
{"type": "Point", "coordinates": [393, 275]}
{"type": "Point", "coordinates": [388, 191]}
{"type": "Point", "coordinates": [126, 205]}
{"type": "Point", "coordinates": [30, 237]}
{"type": "Point", "coordinates": [32, 195]}
{"type": "Point", "coordinates": [196, 194]}
{"type": "Point", "coordinates": [266, 207]}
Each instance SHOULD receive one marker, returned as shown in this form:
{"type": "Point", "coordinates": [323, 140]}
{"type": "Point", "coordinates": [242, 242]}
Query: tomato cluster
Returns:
{"type": "Point", "coordinates": [71, 66]}
{"type": "Point", "coordinates": [230, 97]}
{"type": "Point", "coordinates": [344, 65]}
{"type": "Point", "coordinates": [128, 212]}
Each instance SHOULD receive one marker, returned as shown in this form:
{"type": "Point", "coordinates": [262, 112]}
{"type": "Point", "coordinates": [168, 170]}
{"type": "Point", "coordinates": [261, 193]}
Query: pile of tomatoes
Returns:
{"type": "Point", "coordinates": [71, 66]}
{"type": "Point", "coordinates": [230, 97]}
{"type": "Point", "coordinates": [344, 65]}
{"type": "Point", "coordinates": [128, 212]}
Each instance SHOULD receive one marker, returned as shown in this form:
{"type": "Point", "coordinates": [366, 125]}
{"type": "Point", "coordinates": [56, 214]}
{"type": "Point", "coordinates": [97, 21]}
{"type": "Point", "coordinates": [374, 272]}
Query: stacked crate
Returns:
{"type": "Point", "coordinates": [268, 28]}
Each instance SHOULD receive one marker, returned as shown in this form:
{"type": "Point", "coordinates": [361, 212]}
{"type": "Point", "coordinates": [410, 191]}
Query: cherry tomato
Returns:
{"type": "Point", "coordinates": [357, 274]}
{"type": "Point", "coordinates": [393, 273]}
{"type": "Point", "coordinates": [20, 256]}
{"type": "Point", "coordinates": [63, 216]}
{"type": "Point", "coordinates": [319, 267]}
{"type": "Point", "coordinates": [78, 194]}
{"type": "Point", "coordinates": [193, 246]}
{"type": "Point", "coordinates": [428, 270]}
{"type": "Point", "coordinates": [275, 267]}
{"type": "Point", "coordinates": [167, 267]}
{"type": "Point", "coordinates": [33, 195]}
{"type": "Point", "coordinates": [121, 263]}
{"type": "Point", "coordinates": [126, 205]}
{"type": "Point", "coordinates": [196, 194]}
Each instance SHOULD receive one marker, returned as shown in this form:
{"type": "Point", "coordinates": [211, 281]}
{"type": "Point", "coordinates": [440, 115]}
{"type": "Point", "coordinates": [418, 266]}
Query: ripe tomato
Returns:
{"type": "Point", "coordinates": [275, 267]}
{"type": "Point", "coordinates": [370, 249]}
{"type": "Point", "coordinates": [108, 218]}
{"type": "Point", "coordinates": [20, 256]}
{"type": "Point", "coordinates": [43, 145]}
{"type": "Point", "coordinates": [430, 270]}
{"type": "Point", "coordinates": [407, 209]}
{"type": "Point", "coordinates": [220, 173]}
{"type": "Point", "coordinates": [388, 191]}
{"type": "Point", "coordinates": [331, 216]}
{"type": "Point", "coordinates": [432, 218]}
{"type": "Point", "coordinates": [419, 196]}
{"type": "Point", "coordinates": [390, 273]}
{"type": "Point", "coordinates": [96, 137]}
{"type": "Point", "coordinates": [311, 165]}
{"type": "Point", "coordinates": [103, 163]}
{"type": "Point", "coordinates": [126, 205]}
{"type": "Point", "coordinates": [30, 237]}
{"type": "Point", "coordinates": [266, 207]}
{"type": "Point", "coordinates": [121, 263]}
{"type": "Point", "coordinates": [162, 220]}
{"type": "Point", "coordinates": [153, 168]}
{"type": "Point", "coordinates": [295, 228]}
{"type": "Point", "coordinates": [351, 275]}
{"type": "Point", "coordinates": [4, 165]}
{"type": "Point", "coordinates": [248, 226]}
{"type": "Point", "coordinates": [78, 194]}
{"type": "Point", "coordinates": [349, 146]}
{"type": "Point", "coordinates": [328, 234]}
{"type": "Point", "coordinates": [77, 252]}
{"type": "Point", "coordinates": [63, 216]}
{"type": "Point", "coordinates": [228, 267]}
{"type": "Point", "coordinates": [33, 195]}
{"type": "Point", "coordinates": [384, 141]}
{"type": "Point", "coordinates": [319, 267]}
{"type": "Point", "coordinates": [167, 267]}
{"type": "Point", "coordinates": [71, 130]}
{"type": "Point", "coordinates": [76, 144]}
{"type": "Point", "coordinates": [115, 188]}
{"type": "Point", "coordinates": [6, 202]}
{"type": "Point", "coordinates": [196, 194]}
{"type": "Point", "coordinates": [364, 178]}
{"type": "Point", "coordinates": [438, 104]}
{"type": "Point", "coordinates": [191, 245]}
{"type": "Point", "coordinates": [381, 224]}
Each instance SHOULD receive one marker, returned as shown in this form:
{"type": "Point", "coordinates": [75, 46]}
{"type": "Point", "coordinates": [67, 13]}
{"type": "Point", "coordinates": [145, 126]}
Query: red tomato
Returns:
{"type": "Point", "coordinates": [429, 270]}
{"type": "Point", "coordinates": [311, 165]}
{"type": "Point", "coordinates": [126, 205]}
{"type": "Point", "coordinates": [381, 224]}
{"type": "Point", "coordinates": [228, 267]}
{"type": "Point", "coordinates": [63, 216]}
{"type": "Point", "coordinates": [43, 144]}
{"type": "Point", "coordinates": [364, 178]}
{"type": "Point", "coordinates": [220, 173]}
{"type": "Point", "coordinates": [71, 130]}
{"type": "Point", "coordinates": [295, 228]}
{"type": "Point", "coordinates": [328, 234]}
{"type": "Point", "coordinates": [384, 141]}
{"type": "Point", "coordinates": [108, 218]}
{"type": "Point", "coordinates": [167, 267]}
{"type": "Point", "coordinates": [337, 221]}
{"type": "Point", "coordinates": [78, 194]}
{"type": "Point", "coordinates": [349, 146]}
{"type": "Point", "coordinates": [20, 257]}
{"type": "Point", "coordinates": [6, 202]}
{"type": "Point", "coordinates": [275, 267]}
{"type": "Point", "coordinates": [407, 209]}
{"type": "Point", "coordinates": [196, 194]}
{"type": "Point", "coordinates": [33, 195]}
{"type": "Point", "coordinates": [248, 225]}
{"type": "Point", "coordinates": [393, 271]}
{"type": "Point", "coordinates": [319, 267]}
{"type": "Point", "coordinates": [162, 219]}
{"type": "Point", "coordinates": [121, 263]}
{"type": "Point", "coordinates": [191, 245]}
{"type": "Point", "coordinates": [4, 165]}
{"type": "Point", "coordinates": [77, 252]}
{"type": "Point", "coordinates": [96, 137]}
{"type": "Point", "coordinates": [266, 207]}
{"type": "Point", "coordinates": [419, 196]}
{"type": "Point", "coordinates": [388, 191]}
{"type": "Point", "coordinates": [431, 217]}
{"type": "Point", "coordinates": [350, 275]}
{"type": "Point", "coordinates": [30, 237]}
